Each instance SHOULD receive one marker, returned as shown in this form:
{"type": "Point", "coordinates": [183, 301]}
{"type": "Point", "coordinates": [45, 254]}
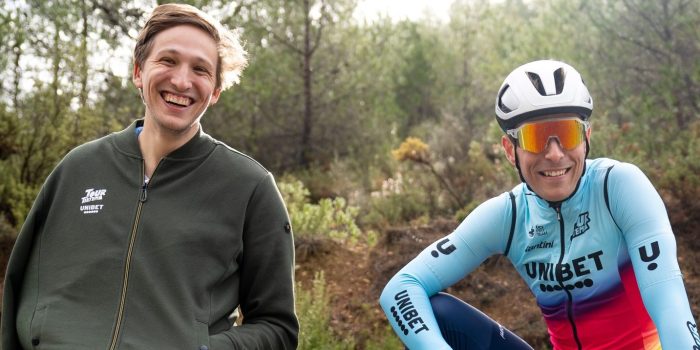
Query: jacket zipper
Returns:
{"type": "Point", "coordinates": [127, 264]}
{"type": "Point", "coordinates": [570, 298]}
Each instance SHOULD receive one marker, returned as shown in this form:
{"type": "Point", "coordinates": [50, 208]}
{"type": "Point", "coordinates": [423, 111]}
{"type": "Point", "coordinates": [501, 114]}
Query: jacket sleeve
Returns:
{"type": "Point", "coordinates": [267, 277]}
{"type": "Point", "coordinates": [14, 275]}
{"type": "Point", "coordinates": [641, 215]}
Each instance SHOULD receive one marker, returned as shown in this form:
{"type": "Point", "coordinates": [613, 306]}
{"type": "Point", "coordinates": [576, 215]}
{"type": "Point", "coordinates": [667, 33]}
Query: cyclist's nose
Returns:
{"type": "Point", "coordinates": [554, 150]}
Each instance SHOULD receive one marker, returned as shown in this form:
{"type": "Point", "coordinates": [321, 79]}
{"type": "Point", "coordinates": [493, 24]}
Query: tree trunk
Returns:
{"type": "Point", "coordinates": [17, 51]}
{"type": "Point", "coordinates": [305, 151]}
{"type": "Point", "coordinates": [83, 67]}
{"type": "Point", "coordinates": [83, 55]}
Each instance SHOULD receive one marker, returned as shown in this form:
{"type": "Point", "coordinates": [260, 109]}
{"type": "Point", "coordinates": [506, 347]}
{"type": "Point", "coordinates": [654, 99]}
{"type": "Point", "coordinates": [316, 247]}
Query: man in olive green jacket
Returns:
{"type": "Point", "coordinates": [151, 237]}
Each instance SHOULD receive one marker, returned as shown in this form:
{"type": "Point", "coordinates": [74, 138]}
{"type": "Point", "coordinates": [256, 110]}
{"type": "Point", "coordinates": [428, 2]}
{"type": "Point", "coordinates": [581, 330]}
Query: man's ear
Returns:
{"type": "Point", "coordinates": [215, 96]}
{"type": "Point", "coordinates": [509, 148]}
{"type": "Point", "coordinates": [136, 76]}
{"type": "Point", "coordinates": [588, 134]}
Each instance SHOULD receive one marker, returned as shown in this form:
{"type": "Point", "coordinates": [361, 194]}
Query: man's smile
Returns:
{"type": "Point", "coordinates": [178, 100]}
{"type": "Point", "coordinates": [554, 173]}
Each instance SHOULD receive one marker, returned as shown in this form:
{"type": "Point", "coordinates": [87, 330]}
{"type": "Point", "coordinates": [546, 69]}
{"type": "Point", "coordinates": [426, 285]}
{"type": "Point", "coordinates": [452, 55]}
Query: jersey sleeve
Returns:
{"type": "Point", "coordinates": [405, 299]}
{"type": "Point", "coordinates": [641, 216]}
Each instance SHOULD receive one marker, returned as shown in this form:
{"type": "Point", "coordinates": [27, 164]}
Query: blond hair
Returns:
{"type": "Point", "coordinates": [232, 57]}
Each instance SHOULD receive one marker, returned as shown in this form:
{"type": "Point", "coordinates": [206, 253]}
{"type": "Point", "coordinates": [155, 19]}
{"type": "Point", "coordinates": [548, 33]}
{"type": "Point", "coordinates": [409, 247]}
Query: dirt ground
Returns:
{"type": "Point", "coordinates": [356, 276]}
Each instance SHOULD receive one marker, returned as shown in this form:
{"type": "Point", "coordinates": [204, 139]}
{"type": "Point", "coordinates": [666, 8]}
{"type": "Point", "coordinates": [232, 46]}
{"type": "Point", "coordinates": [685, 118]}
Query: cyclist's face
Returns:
{"type": "Point", "coordinates": [552, 174]}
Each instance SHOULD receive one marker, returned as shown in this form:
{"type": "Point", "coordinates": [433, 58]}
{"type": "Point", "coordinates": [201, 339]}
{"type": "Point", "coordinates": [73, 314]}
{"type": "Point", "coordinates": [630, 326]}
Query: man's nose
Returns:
{"type": "Point", "coordinates": [554, 151]}
{"type": "Point", "coordinates": [181, 78]}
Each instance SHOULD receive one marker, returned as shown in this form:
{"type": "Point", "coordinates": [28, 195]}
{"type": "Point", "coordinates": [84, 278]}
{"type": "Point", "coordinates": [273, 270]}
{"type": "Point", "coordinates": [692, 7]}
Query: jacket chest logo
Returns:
{"type": "Point", "coordinates": [91, 203]}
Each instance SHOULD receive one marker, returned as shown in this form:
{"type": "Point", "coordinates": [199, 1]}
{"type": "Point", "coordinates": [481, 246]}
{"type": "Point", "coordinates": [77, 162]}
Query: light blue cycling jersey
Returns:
{"type": "Point", "coordinates": [602, 265]}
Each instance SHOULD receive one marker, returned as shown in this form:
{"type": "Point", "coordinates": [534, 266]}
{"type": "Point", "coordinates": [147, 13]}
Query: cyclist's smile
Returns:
{"type": "Point", "coordinates": [554, 173]}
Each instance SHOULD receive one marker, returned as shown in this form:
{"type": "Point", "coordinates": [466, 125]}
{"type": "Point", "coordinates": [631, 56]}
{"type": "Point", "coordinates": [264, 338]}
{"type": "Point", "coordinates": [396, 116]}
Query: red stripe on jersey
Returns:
{"type": "Point", "coordinates": [616, 320]}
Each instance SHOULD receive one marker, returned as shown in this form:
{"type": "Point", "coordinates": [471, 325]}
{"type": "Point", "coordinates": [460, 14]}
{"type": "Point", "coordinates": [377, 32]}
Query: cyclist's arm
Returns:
{"type": "Point", "coordinates": [405, 299]}
{"type": "Point", "coordinates": [641, 215]}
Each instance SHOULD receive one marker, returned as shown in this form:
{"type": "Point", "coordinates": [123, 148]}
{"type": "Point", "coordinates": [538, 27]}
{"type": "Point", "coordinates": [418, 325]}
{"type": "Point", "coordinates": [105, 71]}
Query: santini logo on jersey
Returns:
{"type": "Point", "coordinates": [92, 195]}
{"type": "Point", "coordinates": [543, 244]}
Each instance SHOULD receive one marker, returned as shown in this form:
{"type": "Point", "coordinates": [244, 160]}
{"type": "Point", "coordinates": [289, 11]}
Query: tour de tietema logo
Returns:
{"type": "Point", "coordinates": [92, 196]}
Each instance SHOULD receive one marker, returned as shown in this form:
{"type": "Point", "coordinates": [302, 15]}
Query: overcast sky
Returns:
{"type": "Point", "coordinates": [403, 9]}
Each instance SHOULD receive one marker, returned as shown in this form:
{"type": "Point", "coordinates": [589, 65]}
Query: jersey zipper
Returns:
{"type": "Point", "coordinates": [570, 298]}
{"type": "Point", "coordinates": [143, 196]}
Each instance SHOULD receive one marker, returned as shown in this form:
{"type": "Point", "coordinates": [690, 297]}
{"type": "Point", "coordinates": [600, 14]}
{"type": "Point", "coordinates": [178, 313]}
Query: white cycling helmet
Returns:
{"type": "Point", "coordinates": [541, 88]}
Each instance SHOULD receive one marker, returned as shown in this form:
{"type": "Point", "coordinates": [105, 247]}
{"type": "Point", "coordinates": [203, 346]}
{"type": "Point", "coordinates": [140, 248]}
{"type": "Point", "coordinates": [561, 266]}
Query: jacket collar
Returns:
{"type": "Point", "coordinates": [126, 141]}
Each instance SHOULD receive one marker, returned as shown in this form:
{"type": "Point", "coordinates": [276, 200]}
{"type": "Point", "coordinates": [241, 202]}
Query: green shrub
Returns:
{"type": "Point", "coordinates": [397, 202]}
{"type": "Point", "coordinates": [330, 218]}
{"type": "Point", "coordinates": [462, 213]}
{"type": "Point", "coordinates": [385, 341]}
{"type": "Point", "coordinates": [16, 198]}
{"type": "Point", "coordinates": [313, 311]}
{"type": "Point", "coordinates": [678, 174]}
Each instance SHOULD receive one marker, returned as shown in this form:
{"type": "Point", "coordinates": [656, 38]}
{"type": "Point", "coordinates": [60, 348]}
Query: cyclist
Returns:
{"type": "Point", "coordinates": [591, 239]}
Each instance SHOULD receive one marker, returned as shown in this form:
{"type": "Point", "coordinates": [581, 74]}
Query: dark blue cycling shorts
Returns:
{"type": "Point", "coordinates": [464, 327]}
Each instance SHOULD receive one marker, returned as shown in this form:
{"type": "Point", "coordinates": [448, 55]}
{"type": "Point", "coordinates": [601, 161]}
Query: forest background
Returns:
{"type": "Point", "coordinates": [374, 129]}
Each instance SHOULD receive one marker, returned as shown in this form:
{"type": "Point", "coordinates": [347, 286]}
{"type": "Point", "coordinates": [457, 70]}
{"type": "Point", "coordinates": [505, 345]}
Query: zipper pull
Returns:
{"type": "Point", "coordinates": [558, 210]}
{"type": "Point", "coordinates": [144, 193]}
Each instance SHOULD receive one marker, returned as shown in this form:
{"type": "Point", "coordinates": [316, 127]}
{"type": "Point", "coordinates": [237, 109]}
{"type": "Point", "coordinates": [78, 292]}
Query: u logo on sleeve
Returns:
{"type": "Point", "coordinates": [443, 248]}
{"type": "Point", "coordinates": [648, 256]}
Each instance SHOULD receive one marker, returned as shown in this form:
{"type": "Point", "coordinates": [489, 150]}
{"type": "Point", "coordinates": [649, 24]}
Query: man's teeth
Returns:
{"type": "Point", "coordinates": [179, 100]}
{"type": "Point", "coordinates": [553, 173]}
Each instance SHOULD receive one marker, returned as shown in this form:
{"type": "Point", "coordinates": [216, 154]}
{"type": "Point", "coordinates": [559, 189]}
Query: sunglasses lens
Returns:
{"type": "Point", "coordinates": [534, 137]}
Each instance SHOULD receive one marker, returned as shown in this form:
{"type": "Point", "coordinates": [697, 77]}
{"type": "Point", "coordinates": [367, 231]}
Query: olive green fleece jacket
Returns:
{"type": "Point", "coordinates": [103, 262]}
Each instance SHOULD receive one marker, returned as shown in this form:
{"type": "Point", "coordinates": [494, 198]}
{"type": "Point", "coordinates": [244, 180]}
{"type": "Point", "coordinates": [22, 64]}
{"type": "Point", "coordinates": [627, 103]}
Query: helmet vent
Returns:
{"type": "Point", "coordinates": [559, 77]}
{"type": "Point", "coordinates": [537, 83]}
{"type": "Point", "coordinates": [501, 105]}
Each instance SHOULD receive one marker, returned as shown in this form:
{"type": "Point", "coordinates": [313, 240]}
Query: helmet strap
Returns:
{"type": "Point", "coordinates": [517, 161]}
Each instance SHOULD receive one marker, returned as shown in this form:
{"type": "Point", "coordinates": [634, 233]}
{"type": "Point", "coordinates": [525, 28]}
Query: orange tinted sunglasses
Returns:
{"type": "Point", "coordinates": [534, 137]}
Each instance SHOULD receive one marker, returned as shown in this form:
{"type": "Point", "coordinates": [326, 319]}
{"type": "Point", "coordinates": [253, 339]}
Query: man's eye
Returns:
{"type": "Point", "coordinates": [202, 71]}
{"type": "Point", "coordinates": [167, 60]}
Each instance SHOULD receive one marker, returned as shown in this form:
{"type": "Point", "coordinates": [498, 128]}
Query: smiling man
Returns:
{"type": "Point", "coordinates": [153, 237]}
{"type": "Point", "coordinates": [591, 239]}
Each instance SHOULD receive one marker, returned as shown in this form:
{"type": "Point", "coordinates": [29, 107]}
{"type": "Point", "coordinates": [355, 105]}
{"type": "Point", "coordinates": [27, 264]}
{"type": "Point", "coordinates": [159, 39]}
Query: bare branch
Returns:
{"type": "Point", "coordinates": [651, 23]}
{"type": "Point", "coordinates": [111, 18]}
{"type": "Point", "coordinates": [317, 39]}
{"type": "Point", "coordinates": [628, 39]}
{"type": "Point", "coordinates": [285, 42]}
